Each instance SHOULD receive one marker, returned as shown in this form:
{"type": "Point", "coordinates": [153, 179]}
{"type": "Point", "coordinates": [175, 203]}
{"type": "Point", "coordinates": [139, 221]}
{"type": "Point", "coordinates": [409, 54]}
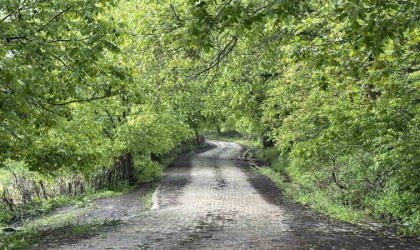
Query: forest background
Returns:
{"type": "Point", "coordinates": [94, 94]}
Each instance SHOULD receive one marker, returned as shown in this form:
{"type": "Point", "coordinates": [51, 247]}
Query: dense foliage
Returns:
{"type": "Point", "coordinates": [95, 86]}
{"type": "Point", "coordinates": [333, 86]}
{"type": "Point", "coordinates": [75, 104]}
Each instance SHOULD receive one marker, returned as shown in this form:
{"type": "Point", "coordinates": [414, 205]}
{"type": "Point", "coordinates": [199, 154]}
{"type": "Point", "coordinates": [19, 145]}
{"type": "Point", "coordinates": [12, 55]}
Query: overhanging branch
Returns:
{"type": "Point", "coordinates": [220, 56]}
{"type": "Point", "coordinates": [176, 15]}
{"type": "Point", "coordinates": [82, 100]}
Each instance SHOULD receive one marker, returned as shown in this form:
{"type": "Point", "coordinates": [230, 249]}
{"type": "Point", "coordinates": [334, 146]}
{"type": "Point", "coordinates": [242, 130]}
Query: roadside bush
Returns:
{"type": "Point", "coordinates": [146, 169]}
{"type": "Point", "coordinates": [6, 215]}
{"type": "Point", "coordinates": [269, 154]}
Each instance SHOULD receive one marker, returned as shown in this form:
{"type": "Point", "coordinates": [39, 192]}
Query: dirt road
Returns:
{"type": "Point", "coordinates": [211, 200]}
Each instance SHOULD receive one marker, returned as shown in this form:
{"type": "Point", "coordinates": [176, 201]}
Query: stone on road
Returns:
{"type": "Point", "coordinates": [210, 200]}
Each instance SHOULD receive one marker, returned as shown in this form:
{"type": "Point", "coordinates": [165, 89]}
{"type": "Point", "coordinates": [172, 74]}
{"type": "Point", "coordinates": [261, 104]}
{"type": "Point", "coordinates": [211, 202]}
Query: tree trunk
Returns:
{"type": "Point", "coordinates": [7, 198]}
{"type": "Point", "coordinates": [44, 192]}
{"type": "Point", "coordinates": [125, 169]}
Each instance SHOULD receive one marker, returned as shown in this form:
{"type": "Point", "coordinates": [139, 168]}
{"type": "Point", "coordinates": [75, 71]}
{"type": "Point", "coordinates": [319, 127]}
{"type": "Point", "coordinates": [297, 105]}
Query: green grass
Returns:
{"type": "Point", "coordinates": [37, 234]}
{"type": "Point", "coordinates": [148, 199]}
{"type": "Point", "coordinates": [317, 200]}
{"type": "Point", "coordinates": [40, 207]}
{"type": "Point", "coordinates": [287, 188]}
{"type": "Point", "coordinates": [120, 190]}
{"type": "Point", "coordinates": [58, 226]}
{"type": "Point", "coordinates": [36, 208]}
{"type": "Point", "coordinates": [51, 228]}
{"type": "Point", "coordinates": [331, 201]}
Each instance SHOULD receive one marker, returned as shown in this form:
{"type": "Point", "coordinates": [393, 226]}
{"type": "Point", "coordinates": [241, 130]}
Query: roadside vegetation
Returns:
{"type": "Point", "coordinates": [95, 94]}
{"type": "Point", "coordinates": [320, 200]}
{"type": "Point", "coordinates": [268, 161]}
{"type": "Point", "coordinates": [35, 222]}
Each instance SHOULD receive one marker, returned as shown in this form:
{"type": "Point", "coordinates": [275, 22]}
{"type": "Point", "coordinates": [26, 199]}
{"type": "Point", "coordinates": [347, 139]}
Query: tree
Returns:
{"type": "Point", "coordinates": [52, 57]}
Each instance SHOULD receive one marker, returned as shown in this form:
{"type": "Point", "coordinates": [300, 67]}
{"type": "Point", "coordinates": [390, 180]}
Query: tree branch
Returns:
{"type": "Point", "coordinates": [9, 39]}
{"type": "Point", "coordinates": [221, 55]}
{"type": "Point", "coordinates": [4, 18]}
{"type": "Point", "coordinates": [175, 14]}
{"type": "Point", "coordinates": [82, 100]}
{"type": "Point", "coordinates": [56, 16]}
{"type": "Point", "coordinates": [49, 110]}
{"type": "Point", "coordinates": [69, 40]}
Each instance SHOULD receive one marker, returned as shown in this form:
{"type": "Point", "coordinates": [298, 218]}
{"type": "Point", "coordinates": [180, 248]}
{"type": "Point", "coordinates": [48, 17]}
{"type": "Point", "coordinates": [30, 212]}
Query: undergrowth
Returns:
{"type": "Point", "coordinates": [317, 200]}
{"type": "Point", "coordinates": [326, 197]}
